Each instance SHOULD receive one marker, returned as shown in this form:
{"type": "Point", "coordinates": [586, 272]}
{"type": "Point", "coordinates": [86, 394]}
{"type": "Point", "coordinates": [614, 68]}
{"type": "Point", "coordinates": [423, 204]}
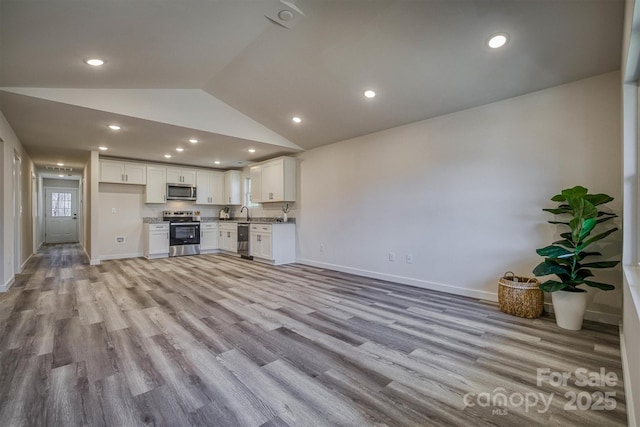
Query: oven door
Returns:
{"type": "Point", "coordinates": [184, 233]}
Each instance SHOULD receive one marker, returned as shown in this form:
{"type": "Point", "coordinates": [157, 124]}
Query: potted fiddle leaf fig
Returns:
{"type": "Point", "coordinates": [570, 258]}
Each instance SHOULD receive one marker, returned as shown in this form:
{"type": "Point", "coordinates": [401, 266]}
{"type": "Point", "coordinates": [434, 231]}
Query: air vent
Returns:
{"type": "Point", "coordinates": [58, 168]}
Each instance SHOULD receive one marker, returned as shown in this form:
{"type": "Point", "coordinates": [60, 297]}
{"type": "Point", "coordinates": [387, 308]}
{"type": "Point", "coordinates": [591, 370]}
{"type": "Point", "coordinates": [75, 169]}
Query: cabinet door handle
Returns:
{"type": "Point", "coordinates": [126, 177]}
{"type": "Point", "coordinates": [259, 238]}
{"type": "Point", "coordinates": [122, 178]}
{"type": "Point", "coordinates": [167, 235]}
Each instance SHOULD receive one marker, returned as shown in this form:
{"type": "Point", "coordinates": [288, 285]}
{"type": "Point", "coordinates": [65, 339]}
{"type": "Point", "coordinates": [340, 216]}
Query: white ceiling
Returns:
{"type": "Point", "coordinates": [423, 58]}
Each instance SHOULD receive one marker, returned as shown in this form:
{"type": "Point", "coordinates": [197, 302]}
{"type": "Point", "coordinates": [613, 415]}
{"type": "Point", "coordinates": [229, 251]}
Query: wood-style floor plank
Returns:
{"type": "Point", "coordinates": [214, 340]}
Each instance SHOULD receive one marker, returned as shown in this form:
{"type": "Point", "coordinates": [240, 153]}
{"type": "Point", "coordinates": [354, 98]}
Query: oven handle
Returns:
{"type": "Point", "coordinates": [185, 223]}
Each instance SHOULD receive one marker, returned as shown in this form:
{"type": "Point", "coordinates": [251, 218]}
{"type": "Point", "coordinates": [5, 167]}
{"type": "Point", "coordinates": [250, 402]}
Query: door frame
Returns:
{"type": "Point", "coordinates": [17, 212]}
{"type": "Point", "coordinates": [46, 213]}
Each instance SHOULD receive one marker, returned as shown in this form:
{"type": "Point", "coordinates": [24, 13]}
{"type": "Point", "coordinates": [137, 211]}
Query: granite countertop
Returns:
{"type": "Point", "coordinates": [153, 220]}
{"type": "Point", "coordinates": [257, 220]}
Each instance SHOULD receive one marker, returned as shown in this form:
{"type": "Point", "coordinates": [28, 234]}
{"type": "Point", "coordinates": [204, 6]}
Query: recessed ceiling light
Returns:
{"type": "Point", "coordinates": [114, 127]}
{"type": "Point", "coordinates": [193, 141]}
{"type": "Point", "coordinates": [296, 119]}
{"type": "Point", "coordinates": [498, 40]}
{"type": "Point", "coordinates": [217, 162]}
{"type": "Point", "coordinates": [252, 150]}
{"type": "Point", "coordinates": [61, 176]}
{"type": "Point", "coordinates": [60, 164]}
{"type": "Point", "coordinates": [168, 156]}
{"type": "Point", "coordinates": [369, 94]}
{"type": "Point", "coordinates": [95, 62]}
{"type": "Point", "coordinates": [101, 148]}
{"type": "Point", "coordinates": [180, 149]}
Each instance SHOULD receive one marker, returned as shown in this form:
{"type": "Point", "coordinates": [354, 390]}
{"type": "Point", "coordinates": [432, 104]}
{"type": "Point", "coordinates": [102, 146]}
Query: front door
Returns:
{"type": "Point", "coordinates": [61, 225]}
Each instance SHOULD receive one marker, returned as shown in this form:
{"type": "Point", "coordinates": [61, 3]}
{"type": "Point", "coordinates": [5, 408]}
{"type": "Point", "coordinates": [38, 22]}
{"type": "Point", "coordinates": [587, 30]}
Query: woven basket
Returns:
{"type": "Point", "coordinates": [520, 296]}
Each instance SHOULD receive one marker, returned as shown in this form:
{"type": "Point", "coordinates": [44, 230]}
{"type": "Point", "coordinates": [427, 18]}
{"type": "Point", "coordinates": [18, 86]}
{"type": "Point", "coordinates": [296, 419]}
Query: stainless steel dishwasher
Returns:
{"type": "Point", "coordinates": [243, 240]}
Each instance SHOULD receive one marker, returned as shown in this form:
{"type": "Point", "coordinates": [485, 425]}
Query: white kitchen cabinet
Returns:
{"type": "Point", "coordinates": [122, 172]}
{"type": "Point", "coordinates": [273, 243]}
{"type": "Point", "coordinates": [156, 190]}
{"type": "Point", "coordinates": [210, 188]}
{"type": "Point", "coordinates": [256, 183]}
{"type": "Point", "coordinates": [181, 176]}
{"type": "Point", "coordinates": [276, 181]}
{"type": "Point", "coordinates": [228, 236]}
{"type": "Point", "coordinates": [156, 240]}
{"type": "Point", "coordinates": [232, 188]}
{"type": "Point", "coordinates": [209, 237]}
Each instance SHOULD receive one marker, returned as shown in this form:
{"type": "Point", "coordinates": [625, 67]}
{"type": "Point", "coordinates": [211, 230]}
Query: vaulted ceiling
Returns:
{"type": "Point", "coordinates": [232, 73]}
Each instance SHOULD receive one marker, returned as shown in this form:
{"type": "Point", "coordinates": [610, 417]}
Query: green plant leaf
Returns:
{"type": "Point", "coordinates": [554, 252]}
{"type": "Point", "coordinates": [596, 238]}
{"type": "Point", "coordinates": [548, 267]}
{"type": "Point", "coordinates": [558, 211]}
{"type": "Point", "coordinates": [601, 264]}
{"type": "Point", "coordinates": [582, 255]}
{"type": "Point", "coordinates": [558, 198]}
{"type": "Point", "coordinates": [566, 243]}
{"type": "Point", "coordinates": [552, 286]}
{"type": "Point", "coordinates": [575, 192]}
{"type": "Point", "coordinates": [582, 274]}
{"type": "Point", "coordinates": [603, 286]}
{"type": "Point", "coordinates": [598, 199]}
{"type": "Point", "coordinates": [587, 227]}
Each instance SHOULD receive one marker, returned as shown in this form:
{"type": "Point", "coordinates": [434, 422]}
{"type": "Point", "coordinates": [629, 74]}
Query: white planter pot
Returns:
{"type": "Point", "coordinates": [569, 308]}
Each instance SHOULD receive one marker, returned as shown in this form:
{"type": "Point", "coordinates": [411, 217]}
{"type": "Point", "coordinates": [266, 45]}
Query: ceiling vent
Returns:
{"type": "Point", "coordinates": [58, 168]}
{"type": "Point", "coordinates": [286, 14]}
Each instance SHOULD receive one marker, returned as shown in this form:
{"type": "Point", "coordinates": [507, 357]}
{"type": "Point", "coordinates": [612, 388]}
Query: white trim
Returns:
{"type": "Point", "coordinates": [631, 413]}
{"type": "Point", "coordinates": [94, 261]}
{"type": "Point", "coordinates": [473, 293]}
{"type": "Point", "coordinates": [121, 256]}
{"type": "Point", "coordinates": [25, 263]}
{"type": "Point", "coordinates": [6, 286]}
{"type": "Point", "coordinates": [597, 316]}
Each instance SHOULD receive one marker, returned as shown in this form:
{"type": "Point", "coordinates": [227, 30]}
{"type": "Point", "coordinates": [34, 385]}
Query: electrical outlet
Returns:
{"type": "Point", "coordinates": [392, 257]}
{"type": "Point", "coordinates": [120, 240]}
{"type": "Point", "coordinates": [409, 259]}
{"type": "Point", "coordinates": [321, 248]}
{"type": "Point", "coordinates": [113, 210]}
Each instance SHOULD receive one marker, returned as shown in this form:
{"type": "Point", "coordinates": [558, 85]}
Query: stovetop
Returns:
{"type": "Point", "coordinates": [177, 216]}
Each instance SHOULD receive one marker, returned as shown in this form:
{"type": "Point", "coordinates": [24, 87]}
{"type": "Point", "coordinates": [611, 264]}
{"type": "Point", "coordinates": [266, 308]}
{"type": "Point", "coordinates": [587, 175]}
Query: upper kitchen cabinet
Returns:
{"type": "Point", "coordinates": [276, 181]}
{"type": "Point", "coordinates": [210, 188]}
{"type": "Point", "coordinates": [232, 188]}
{"type": "Point", "coordinates": [182, 176]}
{"type": "Point", "coordinates": [256, 183]}
{"type": "Point", "coordinates": [156, 191]}
{"type": "Point", "coordinates": [122, 172]}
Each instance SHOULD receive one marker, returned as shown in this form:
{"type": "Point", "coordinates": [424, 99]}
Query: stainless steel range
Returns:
{"type": "Point", "coordinates": [184, 233]}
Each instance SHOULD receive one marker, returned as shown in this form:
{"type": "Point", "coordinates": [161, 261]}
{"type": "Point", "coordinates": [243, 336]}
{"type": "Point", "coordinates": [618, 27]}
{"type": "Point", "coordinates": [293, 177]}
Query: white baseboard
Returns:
{"type": "Point", "coordinates": [25, 263]}
{"type": "Point", "coordinates": [5, 287]}
{"type": "Point", "coordinates": [120, 256]}
{"type": "Point", "coordinates": [611, 319]}
{"type": "Point", "coordinates": [473, 293]}
{"type": "Point", "coordinates": [631, 414]}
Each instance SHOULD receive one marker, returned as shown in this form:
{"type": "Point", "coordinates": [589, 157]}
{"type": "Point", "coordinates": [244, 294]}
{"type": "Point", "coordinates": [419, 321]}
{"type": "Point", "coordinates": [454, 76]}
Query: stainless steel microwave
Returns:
{"type": "Point", "coordinates": [181, 191]}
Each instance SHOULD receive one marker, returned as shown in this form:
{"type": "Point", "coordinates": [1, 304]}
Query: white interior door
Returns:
{"type": "Point", "coordinates": [61, 223]}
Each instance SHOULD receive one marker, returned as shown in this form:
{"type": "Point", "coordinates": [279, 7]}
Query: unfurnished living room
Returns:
{"type": "Point", "coordinates": [319, 213]}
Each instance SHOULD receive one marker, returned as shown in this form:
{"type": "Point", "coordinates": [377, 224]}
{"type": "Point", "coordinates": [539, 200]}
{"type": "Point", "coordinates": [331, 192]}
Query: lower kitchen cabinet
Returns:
{"type": "Point", "coordinates": [156, 240]}
{"type": "Point", "coordinates": [209, 237]}
{"type": "Point", "coordinates": [228, 236]}
{"type": "Point", "coordinates": [273, 243]}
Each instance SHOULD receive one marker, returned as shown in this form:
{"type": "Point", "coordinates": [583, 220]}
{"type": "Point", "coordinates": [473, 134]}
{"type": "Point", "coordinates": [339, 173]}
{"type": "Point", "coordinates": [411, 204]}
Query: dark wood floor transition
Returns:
{"type": "Point", "coordinates": [215, 340]}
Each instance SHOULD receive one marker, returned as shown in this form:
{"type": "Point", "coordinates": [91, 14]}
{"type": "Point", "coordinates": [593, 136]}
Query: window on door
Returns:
{"type": "Point", "coordinates": [60, 204]}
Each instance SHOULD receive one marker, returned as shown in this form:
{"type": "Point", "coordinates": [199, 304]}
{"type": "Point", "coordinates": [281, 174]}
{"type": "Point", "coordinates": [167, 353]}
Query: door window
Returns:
{"type": "Point", "coordinates": [60, 204]}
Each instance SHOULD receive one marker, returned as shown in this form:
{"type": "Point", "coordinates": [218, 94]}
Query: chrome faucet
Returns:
{"type": "Point", "coordinates": [243, 208]}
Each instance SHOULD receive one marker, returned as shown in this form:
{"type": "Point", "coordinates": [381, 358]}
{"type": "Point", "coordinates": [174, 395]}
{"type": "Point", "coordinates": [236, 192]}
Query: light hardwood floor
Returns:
{"type": "Point", "coordinates": [215, 340]}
